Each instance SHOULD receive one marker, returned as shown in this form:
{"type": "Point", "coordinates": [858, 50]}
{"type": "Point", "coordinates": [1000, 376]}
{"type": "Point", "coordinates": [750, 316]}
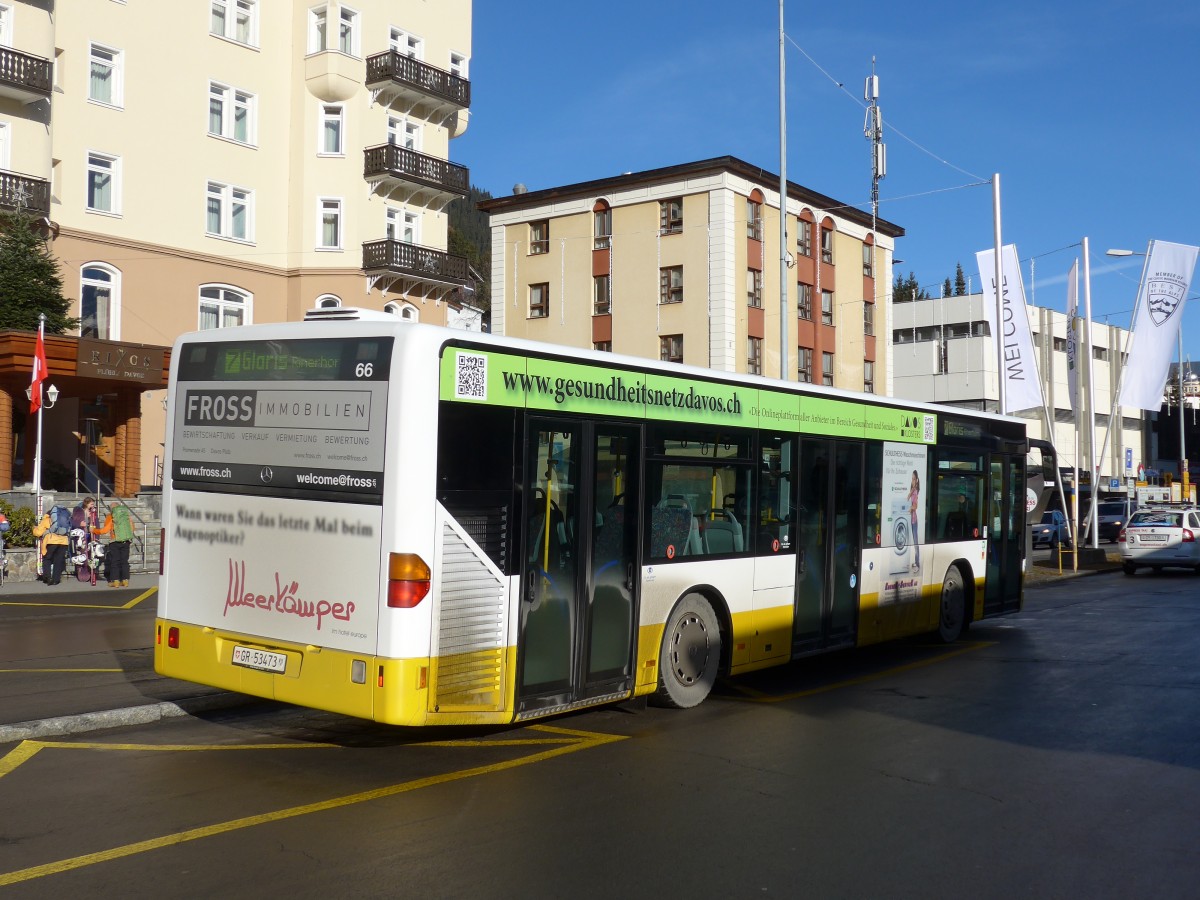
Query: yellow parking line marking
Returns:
{"type": "Point", "coordinates": [68, 671]}
{"type": "Point", "coordinates": [582, 740]}
{"type": "Point", "coordinates": [756, 696]}
{"type": "Point", "coordinates": [53, 605]}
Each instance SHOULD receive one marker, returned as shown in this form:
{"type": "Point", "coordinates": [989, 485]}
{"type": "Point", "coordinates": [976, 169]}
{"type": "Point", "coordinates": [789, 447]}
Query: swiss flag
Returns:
{"type": "Point", "coordinates": [39, 374]}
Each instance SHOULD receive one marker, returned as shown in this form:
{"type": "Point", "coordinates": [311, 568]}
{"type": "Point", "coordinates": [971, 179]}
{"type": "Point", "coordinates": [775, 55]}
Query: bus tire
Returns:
{"type": "Point", "coordinates": [690, 656]}
{"type": "Point", "coordinates": [952, 612]}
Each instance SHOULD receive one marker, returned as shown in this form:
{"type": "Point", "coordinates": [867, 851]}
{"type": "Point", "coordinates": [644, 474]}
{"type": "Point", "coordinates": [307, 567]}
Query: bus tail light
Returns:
{"type": "Point", "coordinates": [173, 638]}
{"type": "Point", "coordinates": [408, 580]}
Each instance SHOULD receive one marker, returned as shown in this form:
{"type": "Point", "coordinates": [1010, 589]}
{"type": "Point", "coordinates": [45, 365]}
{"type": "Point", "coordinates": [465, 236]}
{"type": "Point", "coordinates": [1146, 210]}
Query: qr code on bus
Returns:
{"type": "Point", "coordinates": [931, 429]}
{"type": "Point", "coordinates": [470, 377]}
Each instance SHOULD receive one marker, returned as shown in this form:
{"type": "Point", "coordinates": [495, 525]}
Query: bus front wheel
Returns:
{"type": "Point", "coordinates": [691, 654]}
{"type": "Point", "coordinates": [952, 620]}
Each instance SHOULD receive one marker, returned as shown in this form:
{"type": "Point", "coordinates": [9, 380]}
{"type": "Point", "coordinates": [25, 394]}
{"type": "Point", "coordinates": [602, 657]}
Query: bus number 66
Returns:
{"type": "Point", "coordinates": [363, 370]}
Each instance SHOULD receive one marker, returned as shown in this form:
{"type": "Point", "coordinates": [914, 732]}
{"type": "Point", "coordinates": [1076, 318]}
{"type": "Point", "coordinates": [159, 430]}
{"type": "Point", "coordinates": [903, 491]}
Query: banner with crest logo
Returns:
{"type": "Point", "coordinates": [1072, 337]}
{"type": "Point", "coordinates": [1163, 294]}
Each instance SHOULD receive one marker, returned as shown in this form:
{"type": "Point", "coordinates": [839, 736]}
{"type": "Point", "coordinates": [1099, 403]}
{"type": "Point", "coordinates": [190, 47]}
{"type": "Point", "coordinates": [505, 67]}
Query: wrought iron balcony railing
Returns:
{"type": "Point", "coordinates": [391, 160]}
{"type": "Point", "coordinates": [394, 66]}
{"type": "Point", "coordinates": [414, 261]}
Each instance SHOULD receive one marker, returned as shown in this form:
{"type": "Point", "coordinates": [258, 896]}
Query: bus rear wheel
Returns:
{"type": "Point", "coordinates": [691, 654]}
{"type": "Point", "coordinates": [952, 618]}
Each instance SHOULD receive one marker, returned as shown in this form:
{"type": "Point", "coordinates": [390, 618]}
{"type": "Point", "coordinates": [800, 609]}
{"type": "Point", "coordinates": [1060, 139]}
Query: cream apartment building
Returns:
{"type": "Point", "coordinates": [207, 163]}
{"type": "Point", "coordinates": [683, 264]}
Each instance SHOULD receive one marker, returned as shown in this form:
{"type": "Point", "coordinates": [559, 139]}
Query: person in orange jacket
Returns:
{"type": "Point", "coordinates": [116, 555]}
{"type": "Point", "coordinates": [54, 550]}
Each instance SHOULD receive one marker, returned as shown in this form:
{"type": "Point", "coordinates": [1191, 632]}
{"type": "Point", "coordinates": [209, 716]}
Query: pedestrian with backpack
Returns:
{"type": "Point", "coordinates": [55, 531]}
{"type": "Point", "coordinates": [119, 524]}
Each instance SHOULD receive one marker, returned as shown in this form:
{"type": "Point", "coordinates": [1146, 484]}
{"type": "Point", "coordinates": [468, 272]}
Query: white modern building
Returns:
{"type": "Point", "coordinates": [942, 351]}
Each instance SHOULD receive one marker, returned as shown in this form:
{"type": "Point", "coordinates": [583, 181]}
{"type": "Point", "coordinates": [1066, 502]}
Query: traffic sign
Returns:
{"type": "Point", "coordinates": [1114, 484]}
{"type": "Point", "coordinates": [1128, 457]}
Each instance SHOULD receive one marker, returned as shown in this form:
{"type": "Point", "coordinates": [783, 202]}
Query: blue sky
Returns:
{"type": "Point", "coordinates": [1086, 110]}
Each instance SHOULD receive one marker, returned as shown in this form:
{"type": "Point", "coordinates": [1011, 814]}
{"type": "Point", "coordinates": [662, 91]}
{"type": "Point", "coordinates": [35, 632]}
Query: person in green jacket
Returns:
{"type": "Point", "coordinates": [119, 524]}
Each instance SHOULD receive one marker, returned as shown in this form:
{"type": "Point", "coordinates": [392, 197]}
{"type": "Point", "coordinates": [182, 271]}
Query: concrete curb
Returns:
{"type": "Point", "coordinates": [115, 718]}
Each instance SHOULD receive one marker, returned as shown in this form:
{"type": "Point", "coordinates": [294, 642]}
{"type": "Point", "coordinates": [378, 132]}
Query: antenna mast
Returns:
{"type": "Point", "coordinates": [873, 130]}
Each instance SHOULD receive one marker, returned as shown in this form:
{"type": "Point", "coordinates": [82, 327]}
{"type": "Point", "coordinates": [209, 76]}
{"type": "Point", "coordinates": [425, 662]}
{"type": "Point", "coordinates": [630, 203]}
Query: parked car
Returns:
{"type": "Point", "coordinates": [1161, 536]}
{"type": "Point", "coordinates": [1052, 530]}
{"type": "Point", "coordinates": [1111, 516]}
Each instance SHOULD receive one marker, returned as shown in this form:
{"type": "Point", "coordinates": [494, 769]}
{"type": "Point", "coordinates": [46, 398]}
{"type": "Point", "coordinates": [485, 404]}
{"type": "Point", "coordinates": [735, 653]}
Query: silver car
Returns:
{"type": "Point", "coordinates": [1161, 536]}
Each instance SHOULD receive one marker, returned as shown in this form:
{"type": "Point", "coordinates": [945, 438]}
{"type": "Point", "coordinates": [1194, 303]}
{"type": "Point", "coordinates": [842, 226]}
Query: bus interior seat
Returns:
{"type": "Point", "coordinates": [670, 526]}
{"type": "Point", "coordinates": [722, 534]}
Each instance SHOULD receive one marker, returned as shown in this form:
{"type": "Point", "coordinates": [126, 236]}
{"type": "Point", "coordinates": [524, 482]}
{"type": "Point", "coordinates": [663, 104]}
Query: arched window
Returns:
{"type": "Point", "coordinates": [99, 301]}
{"type": "Point", "coordinates": [405, 311]}
{"type": "Point", "coordinates": [329, 301]}
{"type": "Point", "coordinates": [223, 306]}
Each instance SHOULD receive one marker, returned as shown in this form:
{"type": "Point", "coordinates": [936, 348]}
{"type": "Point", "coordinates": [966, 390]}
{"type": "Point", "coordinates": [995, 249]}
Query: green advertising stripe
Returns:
{"type": "Point", "coordinates": [481, 376]}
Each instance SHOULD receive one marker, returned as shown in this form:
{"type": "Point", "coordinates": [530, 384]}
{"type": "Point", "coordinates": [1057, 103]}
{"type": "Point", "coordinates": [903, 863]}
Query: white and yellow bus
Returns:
{"type": "Point", "coordinates": [424, 526]}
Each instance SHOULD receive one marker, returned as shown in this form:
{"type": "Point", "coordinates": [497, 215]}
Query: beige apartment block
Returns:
{"type": "Point", "coordinates": [683, 264]}
{"type": "Point", "coordinates": [208, 163]}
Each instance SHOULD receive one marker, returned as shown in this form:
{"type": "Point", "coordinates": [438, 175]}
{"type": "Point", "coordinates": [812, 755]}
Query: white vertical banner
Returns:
{"type": "Point", "coordinates": [1072, 337]}
{"type": "Point", "coordinates": [1017, 363]}
{"type": "Point", "coordinates": [1156, 325]}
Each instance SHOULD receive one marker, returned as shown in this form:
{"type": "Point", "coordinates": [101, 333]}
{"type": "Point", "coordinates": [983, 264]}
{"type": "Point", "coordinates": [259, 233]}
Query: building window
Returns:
{"type": "Point", "coordinates": [1100, 353]}
{"type": "Point", "coordinates": [670, 284]}
{"type": "Point", "coordinates": [236, 20]}
{"type": "Point", "coordinates": [670, 216]}
{"type": "Point", "coordinates": [602, 228]}
{"type": "Point", "coordinates": [754, 356]}
{"type": "Point", "coordinates": [804, 365]}
{"type": "Point", "coordinates": [329, 228]}
{"type": "Point", "coordinates": [602, 346]}
{"type": "Point", "coordinates": [98, 295]}
{"type": "Point", "coordinates": [754, 288]}
{"type": "Point", "coordinates": [407, 44]}
{"type": "Point", "coordinates": [539, 237]}
{"type": "Point", "coordinates": [231, 113]}
{"type": "Point", "coordinates": [804, 238]}
{"type": "Point", "coordinates": [222, 306]}
{"type": "Point", "coordinates": [404, 133]}
{"type": "Point", "coordinates": [602, 295]}
{"type": "Point", "coordinates": [670, 348]}
{"type": "Point", "coordinates": [332, 130]}
{"type": "Point", "coordinates": [230, 211]}
{"type": "Point", "coordinates": [804, 300]}
{"type": "Point", "coordinates": [827, 369]}
{"type": "Point", "coordinates": [868, 252]}
{"type": "Point", "coordinates": [103, 186]}
{"type": "Point", "coordinates": [1060, 344]}
{"type": "Point", "coordinates": [105, 85]}
{"type": "Point", "coordinates": [827, 245]}
{"type": "Point", "coordinates": [539, 300]}
{"type": "Point", "coordinates": [402, 225]}
{"type": "Point", "coordinates": [318, 28]}
{"type": "Point", "coordinates": [329, 301]}
{"type": "Point", "coordinates": [753, 219]}
{"type": "Point", "coordinates": [458, 64]}
{"type": "Point", "coordinates": [826, 307]}
{"type": "Point", "coordinates": [868, 317]}
{"type": "Point", "coordinates": [348, 31]}
{"type": "Point", "coordinates": [868, 376]}
{"type": "Point", "coordinates": [406, 311]}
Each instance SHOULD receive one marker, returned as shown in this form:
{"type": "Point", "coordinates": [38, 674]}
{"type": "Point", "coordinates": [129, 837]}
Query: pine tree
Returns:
{"type": "Point", "coordinates": [946, 288]}
{"type": "Point", "coordinates": [960, 282]}
{"type": "Point", "coordinates": [30, 282]}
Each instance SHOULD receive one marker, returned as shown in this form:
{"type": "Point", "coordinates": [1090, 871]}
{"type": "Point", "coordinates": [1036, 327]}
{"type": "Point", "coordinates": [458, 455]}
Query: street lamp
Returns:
{"type": "Point", "coordinates": [51, 395]}
{"type": "Point", "coordinates": [1183, 463]}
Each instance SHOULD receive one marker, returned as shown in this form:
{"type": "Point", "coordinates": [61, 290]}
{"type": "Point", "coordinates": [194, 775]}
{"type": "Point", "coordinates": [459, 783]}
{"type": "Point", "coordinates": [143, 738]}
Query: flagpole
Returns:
{"type": "Point", "coordinates": [37, 386]}
{"type": "Point", "coordinates": [998, 274]}
{"type": "Point", "coordinates": [1091, 389]}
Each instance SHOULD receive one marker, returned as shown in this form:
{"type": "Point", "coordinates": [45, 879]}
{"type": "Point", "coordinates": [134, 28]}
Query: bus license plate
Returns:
{"type": "Point", "coordinates": [263, 660]}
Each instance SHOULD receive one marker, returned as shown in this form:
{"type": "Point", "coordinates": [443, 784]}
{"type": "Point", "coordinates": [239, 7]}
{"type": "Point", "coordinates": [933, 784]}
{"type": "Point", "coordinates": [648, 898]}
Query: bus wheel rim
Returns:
{"type": "Point", "coordinates": [689, 649]}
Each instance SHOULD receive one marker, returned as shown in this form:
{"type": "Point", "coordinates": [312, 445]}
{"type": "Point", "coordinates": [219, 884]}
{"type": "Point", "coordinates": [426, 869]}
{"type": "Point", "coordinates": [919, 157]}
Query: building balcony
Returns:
{"type": "Point", "coordinates": [412, 177]}
{"type": "Point", "coordinates": [23, 192]}
{"type": "Point", "coordinates": [413, 269]}
{"type": "Point", "coordinates": [24, 77]}
{"type": "Point", "coordinates": [400, 81]}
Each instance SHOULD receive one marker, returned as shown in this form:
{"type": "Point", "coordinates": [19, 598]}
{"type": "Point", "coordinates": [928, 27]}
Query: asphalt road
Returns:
{"type": "Point", "coordinates": [1052, 754]}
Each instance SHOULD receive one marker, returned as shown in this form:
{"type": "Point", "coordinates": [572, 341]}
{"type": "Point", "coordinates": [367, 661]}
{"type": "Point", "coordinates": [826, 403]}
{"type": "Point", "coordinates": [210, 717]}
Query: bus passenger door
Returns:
{"type": "Point", "coordinates": [829, 550]}
{"type": "Point", "coordinates": [1005, 534]}
{"type": "Point", "coordinates": [579, 572]}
